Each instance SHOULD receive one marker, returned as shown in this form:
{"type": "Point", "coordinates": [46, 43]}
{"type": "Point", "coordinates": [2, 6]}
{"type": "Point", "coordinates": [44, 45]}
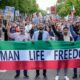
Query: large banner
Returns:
{"type": "Point", "coordinates": [39, 55]}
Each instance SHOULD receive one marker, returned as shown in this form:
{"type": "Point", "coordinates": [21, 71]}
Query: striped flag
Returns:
{"type": "Point", "coordinates": [73, 11]}
{"type": "Point", "coordinates": [40, 55]}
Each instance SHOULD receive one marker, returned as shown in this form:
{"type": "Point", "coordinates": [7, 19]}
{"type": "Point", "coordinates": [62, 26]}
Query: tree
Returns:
{"type": "Point", "coordinates": [64, 9]}
{"type": "Point", "coordinates": [25, 6]}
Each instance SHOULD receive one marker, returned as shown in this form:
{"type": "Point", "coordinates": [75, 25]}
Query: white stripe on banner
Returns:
{"type": "Point", "coordinates": [39, 55]}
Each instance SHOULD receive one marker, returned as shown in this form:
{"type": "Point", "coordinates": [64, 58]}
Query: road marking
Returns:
{"type": "Point", "coordinates": [3, 70]}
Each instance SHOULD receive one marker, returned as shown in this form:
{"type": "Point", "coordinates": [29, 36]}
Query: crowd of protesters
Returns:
{"type": "Point", "coordinates": [38, 27]}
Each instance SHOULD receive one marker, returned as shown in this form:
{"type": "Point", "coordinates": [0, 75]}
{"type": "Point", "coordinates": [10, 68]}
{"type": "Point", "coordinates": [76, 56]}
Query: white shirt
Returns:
{"type": "Point", "coordinates": [28, 27]}
{"type": "Point", "coordinates": [66, 38]}
{"type": "Point", "coordinates": [19, 36]}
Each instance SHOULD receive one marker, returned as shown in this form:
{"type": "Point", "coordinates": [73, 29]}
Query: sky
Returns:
{"type": "Point", "coordinates": [44, 4]}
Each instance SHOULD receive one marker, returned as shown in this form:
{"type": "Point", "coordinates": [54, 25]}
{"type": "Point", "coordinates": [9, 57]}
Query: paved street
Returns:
{"type": "Point", "coordinates": [9, 75]}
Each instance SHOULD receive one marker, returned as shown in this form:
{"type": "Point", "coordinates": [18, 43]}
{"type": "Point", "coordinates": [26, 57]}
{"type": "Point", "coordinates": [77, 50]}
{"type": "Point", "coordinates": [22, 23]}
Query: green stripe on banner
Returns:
{"type": "Point", "coordinates": [38, 45]}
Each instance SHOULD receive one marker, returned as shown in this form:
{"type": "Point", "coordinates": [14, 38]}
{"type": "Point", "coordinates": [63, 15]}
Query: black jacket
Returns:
{"type": "Point", "coordinates": [58, 34]}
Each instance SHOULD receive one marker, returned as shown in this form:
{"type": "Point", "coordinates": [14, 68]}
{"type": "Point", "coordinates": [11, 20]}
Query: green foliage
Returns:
{"type": "Point", "coordinates": [64, 9]}
{"type": "Point", "coordinates": [25, 6]}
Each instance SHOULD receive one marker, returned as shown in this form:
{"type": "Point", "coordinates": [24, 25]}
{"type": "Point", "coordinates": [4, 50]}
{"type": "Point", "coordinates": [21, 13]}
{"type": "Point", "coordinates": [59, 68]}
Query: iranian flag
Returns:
{"type": "Point", "coordinates": [73, 11]}
{"type": "Point", "coordinates": [39, 55]}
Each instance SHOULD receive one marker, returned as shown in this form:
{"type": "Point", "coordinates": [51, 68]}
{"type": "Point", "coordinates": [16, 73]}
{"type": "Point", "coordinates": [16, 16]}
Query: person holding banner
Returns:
{"type": "Point", "coordinates": [76, 36]}
{"type": "Point", "coordinates": [65, 36]}
{"type": "Point", "coordinates": [19, 36]}
{"type": "Point", "coordinates": [40, 35]}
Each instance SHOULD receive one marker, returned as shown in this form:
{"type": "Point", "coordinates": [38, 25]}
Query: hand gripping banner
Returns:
{"type": "Point", "coordinates": [39, 55]}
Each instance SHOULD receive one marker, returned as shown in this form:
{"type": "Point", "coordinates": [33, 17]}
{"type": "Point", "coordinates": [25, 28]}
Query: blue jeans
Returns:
{"type": "Point", "coordinates": [18, 72]}
{"type": "Point", "coordinates": [65, 72]}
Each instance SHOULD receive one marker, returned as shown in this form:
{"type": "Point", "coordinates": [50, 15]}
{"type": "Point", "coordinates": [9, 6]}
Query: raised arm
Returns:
{"type": "Point", "coordinates": [55, 31]}
{"type": "Point", "coordinates": [10, 35]}
{"type": "Point", "coordinates": [73, 33]}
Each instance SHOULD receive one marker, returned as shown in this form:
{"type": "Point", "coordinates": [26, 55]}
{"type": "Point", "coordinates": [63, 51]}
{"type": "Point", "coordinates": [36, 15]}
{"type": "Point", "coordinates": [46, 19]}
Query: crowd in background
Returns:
{"type": "Point", "coordinates": [38, 27]}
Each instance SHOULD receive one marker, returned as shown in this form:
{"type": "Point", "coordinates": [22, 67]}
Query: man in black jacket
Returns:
{"type": "Point", "coordinates": [62, 36]}
{"type": "Point", "coordinates": [58, 32]}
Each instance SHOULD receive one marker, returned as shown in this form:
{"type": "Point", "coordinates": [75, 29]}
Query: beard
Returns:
{"type": "Point", "coordinates": [40, 28]}
{"type": "Point", "coordinates": [65, 34]}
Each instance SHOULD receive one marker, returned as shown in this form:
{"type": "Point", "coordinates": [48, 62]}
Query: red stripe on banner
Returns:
{"type": "Point", "coordinates": [30, 65]}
